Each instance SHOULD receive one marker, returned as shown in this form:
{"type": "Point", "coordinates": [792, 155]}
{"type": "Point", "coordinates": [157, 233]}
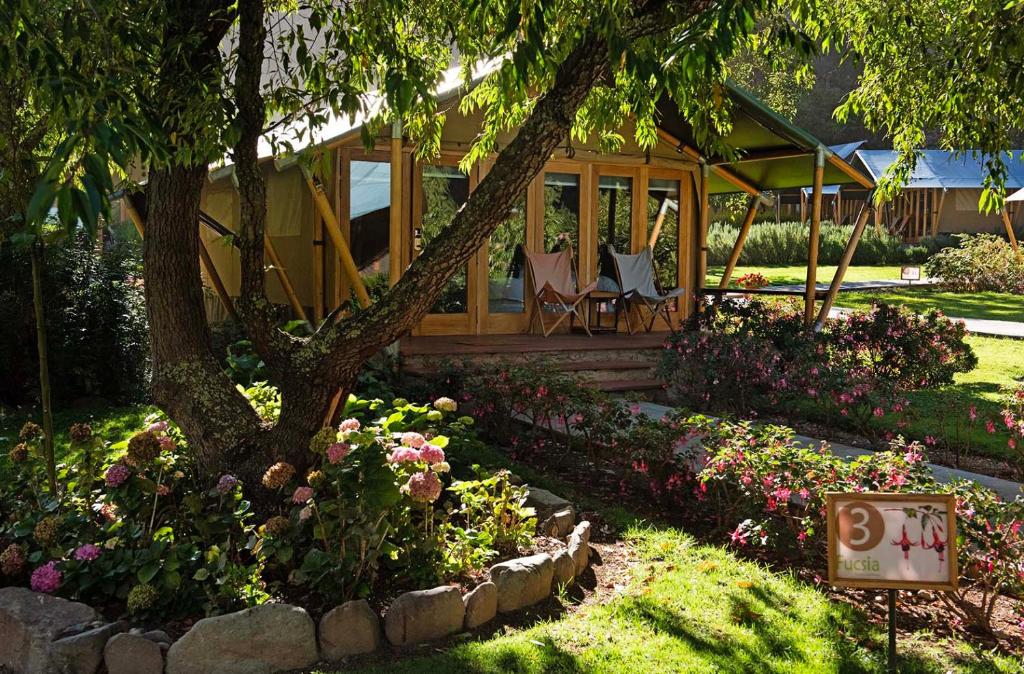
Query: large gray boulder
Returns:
{"type": "Point", "coordinates": [424, 615]}
{"type": "Point", "coordinates": [545, 503]}
{"type": "Point", "coordinates": [523, 582]}
{"type": "Point", "coordinates": [133, 654]}
{"type": "Point", "coordinates": [83, 652]}
{"type": "Point", "coordinates": [38, 632]}
{"type": "Point", "coordinates": [559, 524]}
{"type": "Point", "coordinates": [481, 605]}
{"type": "Point", "coordinates": [350, 629]}
{"type": "Point", "coordinates": [259, 640]}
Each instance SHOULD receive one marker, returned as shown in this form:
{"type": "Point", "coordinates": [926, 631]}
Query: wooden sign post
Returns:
{"type": "Point", "coordinates": [893, 542]}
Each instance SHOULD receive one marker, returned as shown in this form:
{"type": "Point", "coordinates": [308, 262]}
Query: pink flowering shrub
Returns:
{"type": "Point", "coordinates": [856, 371]}
{"type": "Point", "coordinates": [117, 526]}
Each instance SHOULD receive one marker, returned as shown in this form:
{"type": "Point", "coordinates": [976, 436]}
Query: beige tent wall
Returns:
{"type": "Point", "coordinates": [289, 225]}
{"type": "Point", "coordinates": [960, 214]}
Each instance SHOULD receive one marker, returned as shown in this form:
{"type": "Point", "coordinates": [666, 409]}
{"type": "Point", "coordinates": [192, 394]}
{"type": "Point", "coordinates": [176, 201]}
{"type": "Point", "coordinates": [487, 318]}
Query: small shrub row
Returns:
{"type": "Point", "coordinates": [136, 528]}
{"type": "Point", "coordinates": [981, 262]}
{"type": "Point", "coordinates": [759, 356]}
{"type": "Point", "coordinates": [771, 243]}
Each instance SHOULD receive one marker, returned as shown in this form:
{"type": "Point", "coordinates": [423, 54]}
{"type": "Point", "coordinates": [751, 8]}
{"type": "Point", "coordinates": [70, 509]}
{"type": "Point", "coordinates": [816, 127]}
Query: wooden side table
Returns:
{"type": "Point", "coordinates": [598, 302]}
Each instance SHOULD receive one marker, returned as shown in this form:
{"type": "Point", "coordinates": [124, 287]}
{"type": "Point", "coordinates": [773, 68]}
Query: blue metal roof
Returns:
{"type": "Point", "coordinates": [943, 169]}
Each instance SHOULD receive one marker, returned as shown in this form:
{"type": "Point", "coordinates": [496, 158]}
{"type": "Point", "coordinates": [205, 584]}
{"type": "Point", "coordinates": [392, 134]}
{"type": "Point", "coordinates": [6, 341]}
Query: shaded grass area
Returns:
{"type": "Point", "coordinates": [697, 608]}
{"type": "Point", "coordinates": [798, 274]}
{"type": "Point", "coordinates": [111, 423]}
{"type": "Point", "coordinates": [984, 305]}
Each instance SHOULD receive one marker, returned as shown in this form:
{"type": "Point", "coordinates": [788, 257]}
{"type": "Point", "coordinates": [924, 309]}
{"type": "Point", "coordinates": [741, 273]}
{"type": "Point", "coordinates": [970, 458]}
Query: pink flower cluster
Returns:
{"type": "Point", "coordinates": [423, 487]}
{"type": "Point", "coordinates": [227, 483]}
{"type": "Point", "coordinates": [349, 425]}
{"type": "Point", "coordinates": [338, 451]}
{"type": "Point", "coordinates": [47, 578]}
{"type": "Point", "coordinates": [302, 495]}
{"type": "Point", "coordinates": [87, 552]}
{"type": "Point", "coordinates": [117, 474]}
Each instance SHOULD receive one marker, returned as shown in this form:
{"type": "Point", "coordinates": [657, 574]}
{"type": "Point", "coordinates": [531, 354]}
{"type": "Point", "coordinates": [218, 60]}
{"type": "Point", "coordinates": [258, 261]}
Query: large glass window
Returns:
{"type": "Point", "coordinates": [369, 215]}
{"type": "Point", "coordinates": [614, 224]}
{"type": "Point", "coordinates": [506, 264]}
{"type": "Point", "coordinates": [663, 229]}
{"type": "Point", "coordinates": [445, 189]}
{"type": "Point", "coordinates": [561, 211]}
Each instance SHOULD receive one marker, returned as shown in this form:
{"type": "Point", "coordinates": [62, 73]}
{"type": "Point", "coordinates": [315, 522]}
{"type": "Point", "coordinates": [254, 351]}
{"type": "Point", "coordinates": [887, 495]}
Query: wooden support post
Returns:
{"type": "Point", "coordinates": [737, 249]}
{"type": "Point", "coordinates": [844, 264]}
{"type": "Point", "coordinates": [938, 213]}
{"type": "Point", "coordinates": [1010, 235]}
{"type": "Point", "coordinates": [395, 223]}
{"type": "Point", "coordinates": [134, 216]}
{"type": "Point", "coordinates": [878, 215]}
{"type": "Point", "coordinates": [282, 276]}
{"type": "Point", "coordinates": [334, 230]}
{"type": "Point", "coordinates": [812, 243]}
{"type": "Point", "coordinates": [702, 233]}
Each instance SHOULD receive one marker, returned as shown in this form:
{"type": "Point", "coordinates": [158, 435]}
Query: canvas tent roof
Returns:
{"type": "Point", "coordinates": [756, 129]}
{"type": "Point", "coordinates": [943, 169]}
{"type": "Point", "coordinates": [775, 153]}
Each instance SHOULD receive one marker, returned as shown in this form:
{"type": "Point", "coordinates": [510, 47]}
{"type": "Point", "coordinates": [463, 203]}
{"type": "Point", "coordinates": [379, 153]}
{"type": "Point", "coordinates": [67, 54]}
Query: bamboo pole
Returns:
{"type": "Point", "coordinates": [395, 222]}
{"type": "Point", "coordinates": [702, 234]}
{"type": "Point", "coordinates": [1011, 235]}
{"type": "Point", "coordinates": [340, 245]}
{"type": "Point", "coordinates": [737, 249]}
{"type": "Point", "coordinates": [844, 264]}
{"type": "Point", "coordinates": [318, 268]}
{"type": "Point", "coordinates": [878, 216]}
{"type": "Point", "coordinates": [658, 222]}
{"type": "Point", "coordinates": [39, 309]}
{"type": "Point", "coordinates": [215, 280]}
{"type": "Point", "coordinates": [812, 244]}
{"type": "Point", "coordinates": [282, 276]}
{"type": "Point", "coordinates": [204, 259]}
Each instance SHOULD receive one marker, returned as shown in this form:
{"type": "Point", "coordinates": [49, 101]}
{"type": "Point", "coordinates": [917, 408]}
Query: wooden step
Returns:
{"type": "Point", "coordinates": [621, 385]}
{"type": "Point", "coordinates": [610, 364]}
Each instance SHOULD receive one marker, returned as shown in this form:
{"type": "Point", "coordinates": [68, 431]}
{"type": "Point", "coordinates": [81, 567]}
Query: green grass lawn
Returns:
{"type": "Point", "coordinates": [942, 413]}
{"type": "Point", "coordinates": [989, 305]}
{"type": "Point", "coordinates": [798, 274]}
{"type": "Point", "coordinates": [697, 608]}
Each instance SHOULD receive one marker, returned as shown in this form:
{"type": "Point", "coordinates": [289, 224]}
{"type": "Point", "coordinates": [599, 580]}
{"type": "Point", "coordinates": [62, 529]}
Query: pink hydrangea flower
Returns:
{"type": "Point", "coordinates": [46, 578]}
{"type": "Point", "coordinates": [338, 451]}
{"type": "Point", "coordinates": [117, 474]}
{"type": "Point", "coordinates": [403, 454]}
{"type": "Point", "coordinates": [349, 425]}
{"type": "Point", "coordinates": [302, 494]}
{"type": "Point", "coordinates": [432, 454]}
{"type": "Point", "coordinates": [423, 487]}
{"type": "Point", "coordinates": [305, 514]}
{"type": "Point", "coordinates": [166, 444]}
{"type": "Point", "coordinates": [87, 552]}
{"type": "Point", "coordinates": [414, 440]}
{"type": "Point", "coordinates": [158, 427]}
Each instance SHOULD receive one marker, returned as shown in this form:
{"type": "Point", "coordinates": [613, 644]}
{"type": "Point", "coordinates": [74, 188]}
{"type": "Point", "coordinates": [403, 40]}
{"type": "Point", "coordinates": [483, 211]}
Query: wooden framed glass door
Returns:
{"type": "Point", "coordinates": [440, 188]}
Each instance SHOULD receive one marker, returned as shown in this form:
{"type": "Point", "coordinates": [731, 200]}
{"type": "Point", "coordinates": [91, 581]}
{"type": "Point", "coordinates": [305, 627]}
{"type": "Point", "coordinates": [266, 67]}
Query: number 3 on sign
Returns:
{"type": "Point", "coordinates": [861, 526]}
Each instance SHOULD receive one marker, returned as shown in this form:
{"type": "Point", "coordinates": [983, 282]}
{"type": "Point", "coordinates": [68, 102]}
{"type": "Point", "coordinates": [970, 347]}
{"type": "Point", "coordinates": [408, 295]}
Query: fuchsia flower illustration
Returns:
{"type": "Point", "coordinates": [905, 544]}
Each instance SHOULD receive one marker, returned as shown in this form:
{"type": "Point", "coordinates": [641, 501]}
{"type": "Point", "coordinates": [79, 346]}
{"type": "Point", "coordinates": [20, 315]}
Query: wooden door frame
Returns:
{"type": "Point", "coordinates": [684, 217]}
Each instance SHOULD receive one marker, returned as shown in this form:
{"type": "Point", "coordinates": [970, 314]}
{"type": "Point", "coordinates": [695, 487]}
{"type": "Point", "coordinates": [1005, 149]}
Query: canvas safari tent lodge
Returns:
{"type": "Point", "coordinates": [942, 196]}
{"type": "Point", "coordinates": [348, 236]}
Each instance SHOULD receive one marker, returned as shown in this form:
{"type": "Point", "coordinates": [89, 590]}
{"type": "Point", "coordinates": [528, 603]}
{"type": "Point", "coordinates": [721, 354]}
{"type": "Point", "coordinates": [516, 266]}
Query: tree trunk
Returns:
{"type": "Point", "coordinates": [188, 381]}
{"type": "Point", "coordinates": [44, 365]}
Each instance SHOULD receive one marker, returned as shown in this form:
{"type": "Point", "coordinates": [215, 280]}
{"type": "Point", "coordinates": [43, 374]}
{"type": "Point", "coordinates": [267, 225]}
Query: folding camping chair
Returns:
{"type": "Point", "coordinates": [554, 289]}
{"type": "Point", "coordinates": [639, 287]}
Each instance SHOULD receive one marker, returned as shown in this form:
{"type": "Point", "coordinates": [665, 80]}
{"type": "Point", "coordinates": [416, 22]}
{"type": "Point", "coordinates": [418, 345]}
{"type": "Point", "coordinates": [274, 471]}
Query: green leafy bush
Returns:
{"type": "Point", "coordinates": [980, 262]}
{"type": "Point", "coordinates": [785, 243]}
{"type": "Point", "coordinates": [95, 316]}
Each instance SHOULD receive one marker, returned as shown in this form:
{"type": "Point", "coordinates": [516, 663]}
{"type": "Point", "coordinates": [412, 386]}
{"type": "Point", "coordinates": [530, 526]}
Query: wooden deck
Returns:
{"type": "Point", "coordinates": [455, 345]}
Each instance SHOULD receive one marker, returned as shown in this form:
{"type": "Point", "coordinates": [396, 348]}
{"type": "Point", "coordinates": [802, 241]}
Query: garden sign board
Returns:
{"type": "Point", "coordinates": [893, 541]}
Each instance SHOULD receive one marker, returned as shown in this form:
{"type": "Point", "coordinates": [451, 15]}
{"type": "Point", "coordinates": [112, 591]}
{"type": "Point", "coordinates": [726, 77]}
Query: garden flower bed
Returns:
{"type": "Point", "coordinates": [379, 515]}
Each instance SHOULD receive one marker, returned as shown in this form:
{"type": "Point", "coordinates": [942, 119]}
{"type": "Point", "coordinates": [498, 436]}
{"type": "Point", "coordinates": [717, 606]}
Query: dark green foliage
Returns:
{"type": "Point", "coordinates": [96, 320]}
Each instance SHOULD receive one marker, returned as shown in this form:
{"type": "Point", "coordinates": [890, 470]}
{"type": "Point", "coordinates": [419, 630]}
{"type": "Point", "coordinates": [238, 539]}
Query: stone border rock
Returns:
{"type": "Point", "coordinates": [49, 633]}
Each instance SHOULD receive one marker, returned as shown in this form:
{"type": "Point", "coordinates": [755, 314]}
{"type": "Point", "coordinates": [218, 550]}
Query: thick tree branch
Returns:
{"type": "Point", "coordinates": [256, 311]}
